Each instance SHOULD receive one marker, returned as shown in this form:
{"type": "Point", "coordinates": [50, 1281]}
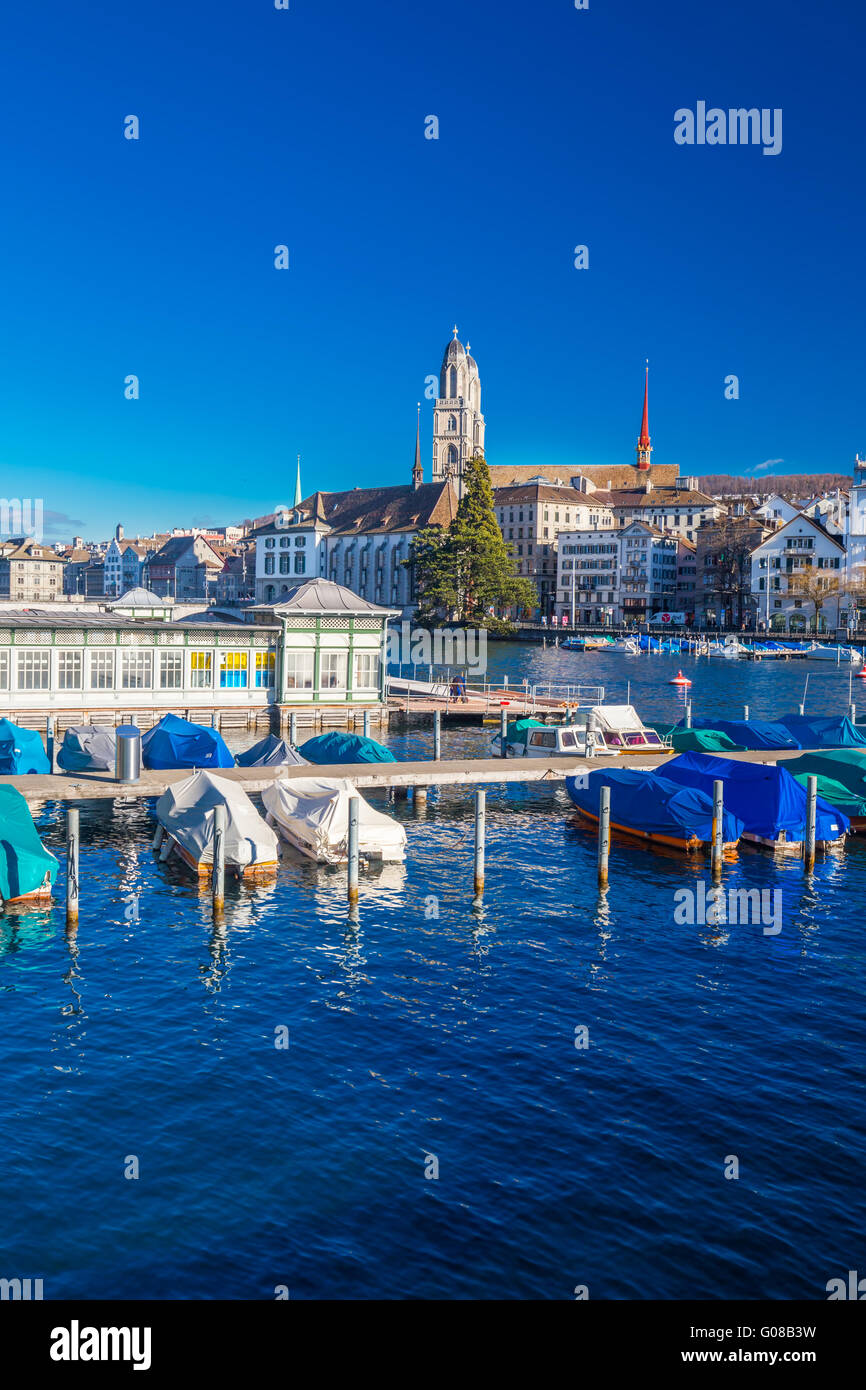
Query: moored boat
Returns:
{"type": "Point", "coordinates": [769, 802]}
{"type": "Point", "coordinates": [335, 747]}
{"type": "Point", "coordinates": [27, 868]}
{"type": "Point", "coordinates": [270, 752]}
{"type": "Point", "coordinates": [87, 748]}
{"type": "Point", "coordinates": [186, 826]}
{"type": "Point", "coordinates": [175, 742]}
{"type": "Point", "coordinates": [312, 813]}
{"type": "Point", "coordinates": [21, 750]}
{"type": "Point", "coordinates": [650, 807]}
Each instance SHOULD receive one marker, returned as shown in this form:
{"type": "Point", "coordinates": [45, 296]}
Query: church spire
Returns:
{"type": "Point", "coordinates": [644, 447]}
{"type": "Point", "coordinates": [298, 493]}
{"type": "Point", "coordinates": [418, 471]}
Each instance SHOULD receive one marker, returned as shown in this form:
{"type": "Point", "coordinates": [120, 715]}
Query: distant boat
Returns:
{"type": "Point", "coordinates": [648, 806]}
{"type": "Point", "coordinates": [270, 752]}
{"type": "Point", "coordinates": [21, 750]}
{"type": "Point", "coordinates": [186, 824]}
{"type": "Point", "coordinates": [768, 801]}
{"type": "Point", "coordinates": [312, 813]}
{"type": "Point", "coordinates": [87, 748]}
{"type": "Point", "coordinates": [27, 868]}
{"type": "Point", "coordinates": [844, 656]}
{"type": "Point", "coordinates": [175, 742]}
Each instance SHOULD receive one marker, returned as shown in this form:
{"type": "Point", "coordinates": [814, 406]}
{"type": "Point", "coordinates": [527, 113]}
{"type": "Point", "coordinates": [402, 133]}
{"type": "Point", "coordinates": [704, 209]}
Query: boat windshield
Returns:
{"type": "Point", "coordinates": [568, 739]}
{"type": "Point", "coordinates": [540, 739]}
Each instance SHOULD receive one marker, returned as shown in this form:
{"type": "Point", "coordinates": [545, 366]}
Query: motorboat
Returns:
{"type": "Point", "coordinates": [769, 802]}
{"type": "Point", "coordinates": [840, 656]}
{"type": "Point", "coordinates": [532, 738]}
{"type": "Point", "coordinates": [270, 752]}
{"type": "Point", "coordinates": [175, 742]}
{"type": "Point", "coordinates": [186, 815]}
{"type": "Point", "coordinates": [87, 748]}
{"type": "Point", "coordinates": [618, 729]}
{"type": "Point", "coordinates": [312, 813]}
{"type": "Point", "coordinates": [27, 868]}
{"type": "Point", "coordinates": [21, 750]}
{"type": "Point", "coordinates": [648, 806]}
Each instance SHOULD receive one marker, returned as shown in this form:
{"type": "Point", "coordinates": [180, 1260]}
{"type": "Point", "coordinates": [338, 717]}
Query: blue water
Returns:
{"type": "Point", "coordinates": [432, 1030]}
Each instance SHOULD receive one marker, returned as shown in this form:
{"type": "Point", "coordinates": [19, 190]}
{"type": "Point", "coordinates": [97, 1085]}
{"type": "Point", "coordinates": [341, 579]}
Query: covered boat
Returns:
{"type": "Point", "coordinates": [186, 825]}
{"type": "Point", "coordinates": [832, 731]}
{"type": "Point", "coordinates": [751, 733]}
{"type": "Point", "coordinates": [312, 813]}
{"type": "Point", "coordinates": [618, 729]}
{"type": "Point", "coordinates": [87, 748]}
{"type": "Point", "coordinates": [344, 748]}
{"type": "Point", "coordinates": [651, 807]}
{"type": "Point", "coordinates": [27, 869]}
{"type": "Point", "coordinates": [699, 741]}
{"type": "Point", "coordinates": [21, 750]}
{"type": "Point", "coordinates": [844, 656]}
{"type": "Point", "coordinates": [532, 738]}
{"type": "Point", "coordinates": [768, 801]}
{"type": "Point", "coordinates": [270, 752]}
{"type": "Point", "coordinates": [851, 804]}
{"type": "Point", "coordinates": [841, 775]}
{"type": "Point", "coordinates": [175, 742]}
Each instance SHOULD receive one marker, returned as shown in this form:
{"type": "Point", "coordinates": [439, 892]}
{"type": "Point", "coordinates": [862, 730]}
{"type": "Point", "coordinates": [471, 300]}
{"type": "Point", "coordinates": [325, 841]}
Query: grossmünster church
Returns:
{"type": "Point", "coordinates": [458, 425]}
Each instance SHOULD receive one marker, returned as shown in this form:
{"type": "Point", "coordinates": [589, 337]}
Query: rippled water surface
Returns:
{"type": "Point", "coordinates": [431, 1031]}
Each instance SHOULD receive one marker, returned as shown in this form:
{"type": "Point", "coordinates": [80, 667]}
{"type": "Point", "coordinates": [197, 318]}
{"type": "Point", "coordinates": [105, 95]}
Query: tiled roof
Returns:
{"type": "Point", "coordinates": [32, 550]}
{"type": "Point", "coordinates": [376, 509]}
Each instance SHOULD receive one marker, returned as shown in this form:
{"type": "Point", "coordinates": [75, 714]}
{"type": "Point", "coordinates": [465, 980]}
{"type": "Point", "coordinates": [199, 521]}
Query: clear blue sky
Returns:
{"type": "Point", "coordinates": [306, 127]}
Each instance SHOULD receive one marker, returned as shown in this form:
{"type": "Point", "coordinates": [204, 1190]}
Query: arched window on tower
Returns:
{"type": "Point", "coordinates": [452, 422]}
{"type": "Point", "coordinates": [452, 383]}
{"type": "Point", "coordinates": [452, 455]}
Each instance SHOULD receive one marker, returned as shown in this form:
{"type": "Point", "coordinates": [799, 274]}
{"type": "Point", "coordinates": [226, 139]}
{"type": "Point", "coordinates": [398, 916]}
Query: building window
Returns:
{"type": "Point", "coordinates": [269, 564]}
{"type": "Point", "coordinates": [284, 541]}
{"type": "Point", "coordinates": [299, 670]}
{"type": "Point", "coordinates": [4, 670]}
{"type": "Point", "coordinates": [233, 671]}
{"type": "Point", "coordinates": [200, 670]}
{"type": "Point", "coordinates": [332, 671]}
{"type": "Point", "coordinates": [136, 670]}
{"type": "Point", "coordinates": [171, 671]}
{"type": "Point", "coordinates": [34, 670]}
{"type": "Point", "coordinates": [300, 564]}
{"type": "Point", "coordinates": [265, 662]}
{"type": "Point", "coordinates": [366, 670]}
{"type": "Point", "coordinates": [69, 670]}
{"type": "Point", "coordinates": [270, 543]}
{"type": "Point", "coordinates": [101, 670]}
{"type": "Point", "coordinates": [285, 564]}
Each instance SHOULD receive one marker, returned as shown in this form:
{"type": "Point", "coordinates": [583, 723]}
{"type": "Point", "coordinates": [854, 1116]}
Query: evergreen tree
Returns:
{"type": "Point", "coordinates": [466, 569]}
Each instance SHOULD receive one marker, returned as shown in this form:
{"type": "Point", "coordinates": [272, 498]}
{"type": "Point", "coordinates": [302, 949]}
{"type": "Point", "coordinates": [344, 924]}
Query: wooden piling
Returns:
{"type": "Point", "coordinates": [72, 841]}
{"type": "Point", "coordinates": [354, 809]}
{"type": "Point", "coordinates": [603, 835]}
{"type": "Point", "coordinates": [811, 811]}
{"type": "Point", "coordinates": [480, 819]}
{"type": "Point", "coordinates": [718, 824]}
{"type": "Point", "coordinates": [218, 882]}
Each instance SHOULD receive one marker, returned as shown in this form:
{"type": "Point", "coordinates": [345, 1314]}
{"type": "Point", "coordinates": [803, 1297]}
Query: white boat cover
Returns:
{"type": "Point", "coordinates": [187, 812]}
{"type": "Point", "coordinates": [87, 748]}
{"type": "Point", "coordinates": [313, 813]}
{"type": "Point", "coordinates": [618, 719]}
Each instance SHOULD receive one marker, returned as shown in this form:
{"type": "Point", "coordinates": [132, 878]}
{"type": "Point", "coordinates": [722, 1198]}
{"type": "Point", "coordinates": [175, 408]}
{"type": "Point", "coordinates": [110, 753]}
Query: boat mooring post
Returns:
{"type": "Point", "coordinates": [853, 714]}
{"type": "Point", "coordinates": [688, 714]}
{"type": "Point", "coordinates": [503, 731]}
{"type": "Point", "coordinates": [366, 723]}
{"type": "Point", "coordinates": [603, 835]}
{"type": "Point", "coordinates": [354, 809]}
{"type": "Point", "coordinates": [72, 839]}
{"type": "Point", "coordinates": [811, 809]}
{"type": "Point", "coordinates": [293, 728]}
{"type": "Point", "coordinates": [218, 882]}
{"type": "Point", "coordinates": [480, 819]}
{"type": "Point", "coordinates": [718, 819]}
{"type": "Point", "coordinates": [437, 735]}
{"type": "Point", "coordinates": [746, 713]}
{"type": "Point", "coordinates": [49, 741]}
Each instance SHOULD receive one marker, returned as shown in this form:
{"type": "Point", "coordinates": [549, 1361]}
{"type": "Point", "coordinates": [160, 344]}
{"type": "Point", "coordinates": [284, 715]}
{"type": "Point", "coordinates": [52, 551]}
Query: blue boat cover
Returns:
{"type": "Point", "coordinates": [24, 860]}
{"type": "Point", "coordinates": [650, 802]}
{"type": "Point", "coordinates": [174, 742]}
{"type": "Point", "coordinates": [345, 748]}
{"type": "Point", "coordinates": [21, 750]}
{"type": "Point", "coordinates": [833, 731]}
{"type": "Point", "coordinates": [766, 799]}
{"type": "Point", "coordinates": [754, 733]}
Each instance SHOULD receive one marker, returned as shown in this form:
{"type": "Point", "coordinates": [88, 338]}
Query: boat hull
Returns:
{"type": "Point", "coordinates": [690, 844]}
{"type": "Point", "coordinates": [250, 873]}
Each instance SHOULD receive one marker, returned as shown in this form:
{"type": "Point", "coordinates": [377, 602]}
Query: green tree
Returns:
{"type": "Point", "coordinates": [464, 570]}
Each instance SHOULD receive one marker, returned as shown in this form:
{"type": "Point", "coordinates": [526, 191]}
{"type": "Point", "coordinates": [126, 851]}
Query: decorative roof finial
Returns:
{"type": "Point", "coordinates": [454, 330]}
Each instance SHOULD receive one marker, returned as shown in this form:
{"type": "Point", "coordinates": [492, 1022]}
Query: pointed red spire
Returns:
{"type": "Point", "coordinates": [644, 447]}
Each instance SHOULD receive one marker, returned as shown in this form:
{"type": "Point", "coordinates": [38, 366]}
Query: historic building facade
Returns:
{"type": "Point", "coordinates": [458, 424]}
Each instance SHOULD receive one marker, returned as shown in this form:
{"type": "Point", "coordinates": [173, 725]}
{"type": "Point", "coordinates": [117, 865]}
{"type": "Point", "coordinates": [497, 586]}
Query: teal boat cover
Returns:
{"type": "Point", "coordinates": [175, 742]}
{"type": "Point", "coordinates": [766, 799]}
{"type": "Point", "coordinates": [851, 803]}
{"type": "Point", "coordinates": [650, 803]}
{"type": "Point", "coordinates": [21, 750]}
{"type": "Point", "coordinates": [24, 860]}
{"type": "Point", "coordinates": [846, 766]}
{"type": "Point", "coordinates": [702, 741]}
{"type": "Point", "coordinates": [833, 731]}
{"type": "Point", "coordinates": [344, 748]}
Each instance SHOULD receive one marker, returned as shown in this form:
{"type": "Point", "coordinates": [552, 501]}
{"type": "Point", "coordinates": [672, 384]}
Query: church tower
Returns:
{"type": "Point", "coordinates": [644, 447]}
{"type": "Point", "coordinates": [458, 425]}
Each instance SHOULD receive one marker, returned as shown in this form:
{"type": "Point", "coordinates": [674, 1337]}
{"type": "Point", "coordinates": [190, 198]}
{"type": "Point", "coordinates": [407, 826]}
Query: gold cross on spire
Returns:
{"type": "Point", "coordinates": [454, 330]}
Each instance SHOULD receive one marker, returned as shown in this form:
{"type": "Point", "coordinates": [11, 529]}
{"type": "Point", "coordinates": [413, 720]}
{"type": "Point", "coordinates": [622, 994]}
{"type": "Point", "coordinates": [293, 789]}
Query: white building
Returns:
{"type": "Point", "coordinates": [800, 547]}
{"type": "Point", "coordinates": [458, 425]}
{"type": "Point", "coordinates": [609, 577]}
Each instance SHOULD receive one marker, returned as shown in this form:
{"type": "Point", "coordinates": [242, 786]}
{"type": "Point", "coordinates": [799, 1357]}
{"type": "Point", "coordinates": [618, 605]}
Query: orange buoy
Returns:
{"type": "Point", "coordinates": [680, 679]}
{"type": "Point", "coordinates": [861, 674]}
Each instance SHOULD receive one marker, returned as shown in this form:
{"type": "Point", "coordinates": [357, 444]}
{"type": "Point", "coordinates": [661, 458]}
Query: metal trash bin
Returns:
{"type": "Point", "coordinates": [127, 760]}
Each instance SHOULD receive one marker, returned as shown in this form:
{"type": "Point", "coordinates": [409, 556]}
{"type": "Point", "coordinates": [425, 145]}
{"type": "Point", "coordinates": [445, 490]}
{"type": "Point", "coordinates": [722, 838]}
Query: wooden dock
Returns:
{"type": "Point", "coordinates": [468, 772]}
